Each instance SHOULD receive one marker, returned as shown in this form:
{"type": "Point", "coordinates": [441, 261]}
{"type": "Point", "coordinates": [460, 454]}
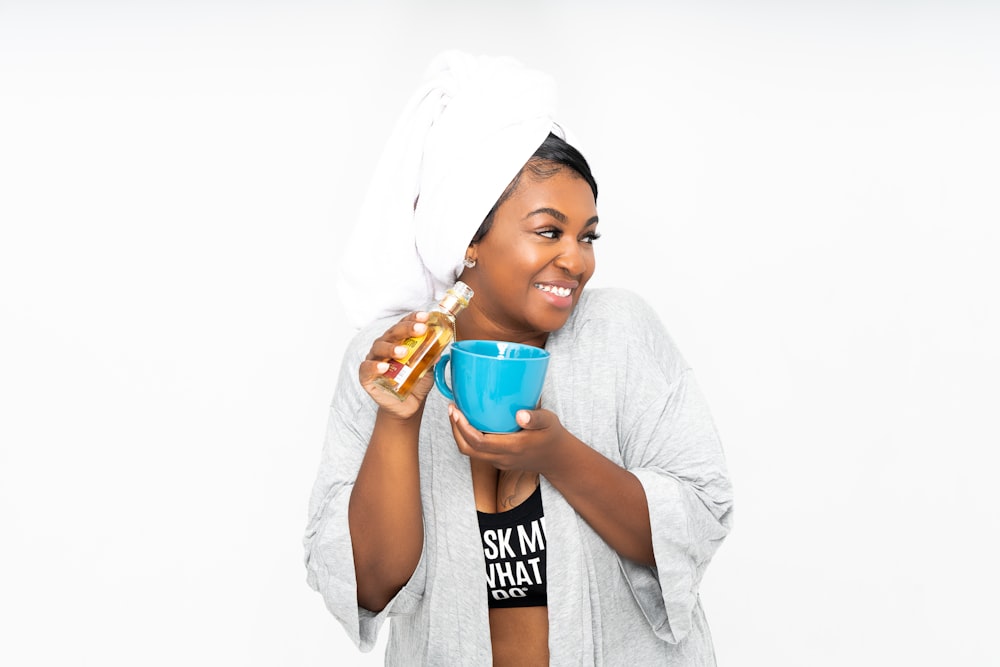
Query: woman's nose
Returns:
{"type": "Point", "coordinates": [571, 257]}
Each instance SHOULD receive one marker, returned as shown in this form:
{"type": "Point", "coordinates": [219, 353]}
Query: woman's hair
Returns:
{"type": "Point", "coordinates": [548, 160]}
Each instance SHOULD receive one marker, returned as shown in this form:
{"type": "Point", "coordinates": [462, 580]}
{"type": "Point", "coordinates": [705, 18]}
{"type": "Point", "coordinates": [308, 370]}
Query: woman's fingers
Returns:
{"type": "Point", "coordinates": [383, 349]}
{"type": "Point", "coordinates": [414, 323]}
{"type": "Point", "coordinates": [473, 442]}
{"type": "Point", "coordinates": [528, 449]}
{"type": "Point", "coordinates": [388, 345]}
{"type": "Point", "coordinates": [371, 369]}
{"type": "Point", "coordinates": [463, 431]}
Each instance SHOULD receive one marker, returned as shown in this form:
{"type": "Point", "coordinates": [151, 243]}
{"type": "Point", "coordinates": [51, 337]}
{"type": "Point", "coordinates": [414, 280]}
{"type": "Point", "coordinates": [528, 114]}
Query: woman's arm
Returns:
{"type": "Point", "coordinates": [385, 514]}
{"type": "Point", "coordinates": [608, 497]}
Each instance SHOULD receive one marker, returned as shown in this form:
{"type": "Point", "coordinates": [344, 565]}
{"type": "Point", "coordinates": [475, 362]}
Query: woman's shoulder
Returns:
{"type": "Point", "coordinates": [616, 303]}
{"type": "Point", "coordinates": [625, 320]}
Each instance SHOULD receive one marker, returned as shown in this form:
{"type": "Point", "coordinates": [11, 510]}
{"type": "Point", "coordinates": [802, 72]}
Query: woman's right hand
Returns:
{"type": "Point", "coordinates": [387, 346]}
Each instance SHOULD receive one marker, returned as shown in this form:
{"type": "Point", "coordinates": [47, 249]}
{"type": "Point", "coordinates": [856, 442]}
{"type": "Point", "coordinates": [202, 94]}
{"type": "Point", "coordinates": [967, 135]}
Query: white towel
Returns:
{"type": "Point", "coordinates": [462, 137]}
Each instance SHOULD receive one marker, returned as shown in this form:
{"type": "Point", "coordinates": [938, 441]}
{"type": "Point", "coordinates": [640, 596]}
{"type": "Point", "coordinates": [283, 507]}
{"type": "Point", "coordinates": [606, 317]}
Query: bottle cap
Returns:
{"type": "Point", "coordinates": [462, 292]}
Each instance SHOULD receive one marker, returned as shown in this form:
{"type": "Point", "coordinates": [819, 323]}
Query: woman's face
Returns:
{"type": "Point", "coordinates": [534, 262]}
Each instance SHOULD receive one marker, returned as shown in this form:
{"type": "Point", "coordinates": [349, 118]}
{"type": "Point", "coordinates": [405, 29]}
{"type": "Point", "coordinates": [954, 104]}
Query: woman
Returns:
{"type": "Point", "coordinates": [620, 459]}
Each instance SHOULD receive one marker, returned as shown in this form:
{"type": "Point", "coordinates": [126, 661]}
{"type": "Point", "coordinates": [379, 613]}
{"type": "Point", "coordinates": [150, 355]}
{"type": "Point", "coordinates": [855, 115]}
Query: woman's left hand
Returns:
{"type": "Point", "coordinates": [536, 447]}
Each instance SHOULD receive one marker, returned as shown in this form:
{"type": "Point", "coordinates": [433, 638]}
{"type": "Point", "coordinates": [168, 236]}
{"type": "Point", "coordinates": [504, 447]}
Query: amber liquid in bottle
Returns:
{"type": "Point", "coordinates": [424, 350]}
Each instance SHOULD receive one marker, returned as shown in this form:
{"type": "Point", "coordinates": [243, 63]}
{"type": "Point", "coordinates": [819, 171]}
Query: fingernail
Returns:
{"type": "Point", "coordinates": [399, 350]}
{"type": "Point", "coordinates": [419, 327]}
{"type": "Point", "coordinates": [382, 366]}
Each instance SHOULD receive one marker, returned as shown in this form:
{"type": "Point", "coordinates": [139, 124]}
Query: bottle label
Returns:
{"type": "Point", "coordinates": [398, 372]}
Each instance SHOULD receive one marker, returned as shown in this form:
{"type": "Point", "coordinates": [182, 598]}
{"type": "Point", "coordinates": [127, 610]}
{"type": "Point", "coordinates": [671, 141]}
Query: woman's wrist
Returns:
{"type": "Point", "coordinates": [392, 419]}
{"type": "Point", "coordinates": [564, 458]}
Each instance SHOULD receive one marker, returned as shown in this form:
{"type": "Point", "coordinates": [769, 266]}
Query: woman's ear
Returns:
{"type": "Point", "coordinates": [471, 253]}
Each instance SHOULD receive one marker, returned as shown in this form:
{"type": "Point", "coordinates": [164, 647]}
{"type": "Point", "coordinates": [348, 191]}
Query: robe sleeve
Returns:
{"type": "Point", "coordinates": [329, 556]}
{"type": "Point", "coordinates": [669, 442]}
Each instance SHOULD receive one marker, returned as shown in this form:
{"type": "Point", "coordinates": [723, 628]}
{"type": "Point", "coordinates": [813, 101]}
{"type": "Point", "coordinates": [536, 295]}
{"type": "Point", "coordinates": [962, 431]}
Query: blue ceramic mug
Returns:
{"type": "Point", "coordinates": [492, 380]}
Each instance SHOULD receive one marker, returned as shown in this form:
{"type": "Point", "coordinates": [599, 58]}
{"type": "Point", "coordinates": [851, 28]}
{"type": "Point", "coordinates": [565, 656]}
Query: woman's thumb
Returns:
{"type": "Point", "coordinates": [530, 419]}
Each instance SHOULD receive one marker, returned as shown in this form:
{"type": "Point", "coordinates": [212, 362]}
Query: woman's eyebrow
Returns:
{"type": "Point", "coordinates": [558, 215]}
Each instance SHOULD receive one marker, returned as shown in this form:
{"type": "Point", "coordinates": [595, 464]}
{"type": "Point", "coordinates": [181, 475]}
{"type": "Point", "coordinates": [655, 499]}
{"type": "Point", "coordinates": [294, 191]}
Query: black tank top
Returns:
{"type": "Point", "coordinates": [514, 546]}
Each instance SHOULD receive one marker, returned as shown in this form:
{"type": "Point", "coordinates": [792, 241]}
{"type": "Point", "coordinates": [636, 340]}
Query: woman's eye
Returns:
{"type": "Point", "coordinates": [549, 233]}
{"type": "Point", "coordinates": [591, 237]}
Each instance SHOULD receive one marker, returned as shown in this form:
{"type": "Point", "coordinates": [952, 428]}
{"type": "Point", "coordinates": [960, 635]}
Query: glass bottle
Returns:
{"type": "Point", "coordinates": [423, 351]}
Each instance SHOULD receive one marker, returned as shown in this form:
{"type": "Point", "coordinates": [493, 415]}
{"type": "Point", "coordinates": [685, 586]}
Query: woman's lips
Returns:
{"type": "Point", "coordinates": [559, 294]}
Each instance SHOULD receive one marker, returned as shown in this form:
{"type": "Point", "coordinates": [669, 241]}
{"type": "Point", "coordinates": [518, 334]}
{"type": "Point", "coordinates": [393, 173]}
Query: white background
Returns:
{"type": "Point", "coordinates": [806, 191]}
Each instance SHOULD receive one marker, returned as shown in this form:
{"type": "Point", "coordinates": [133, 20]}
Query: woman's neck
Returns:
{"type": "Point", "coordinates": [476, 325]}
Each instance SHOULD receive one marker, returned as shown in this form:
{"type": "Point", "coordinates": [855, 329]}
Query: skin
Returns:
{"type": "Point", "coordinates": [541, 235]}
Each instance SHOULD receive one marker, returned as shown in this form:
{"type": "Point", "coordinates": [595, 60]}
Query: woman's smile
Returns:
{"type": "Point", "coordinates": [558, 292]}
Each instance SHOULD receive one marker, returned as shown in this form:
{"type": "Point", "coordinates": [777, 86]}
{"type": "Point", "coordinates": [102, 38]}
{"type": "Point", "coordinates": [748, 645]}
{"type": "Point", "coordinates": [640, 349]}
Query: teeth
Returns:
{"type": "Point", "coordinates": [558, 291]}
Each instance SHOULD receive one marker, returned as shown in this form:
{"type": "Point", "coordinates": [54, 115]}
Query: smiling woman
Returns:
{"type": "Point", "coordinates": [536, 253]}
{"type": "Point", "coordinates": [580, 538]}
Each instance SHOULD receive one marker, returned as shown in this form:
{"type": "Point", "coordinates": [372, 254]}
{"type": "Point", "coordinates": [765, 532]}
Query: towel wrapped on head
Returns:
{"type": "Point", "coordinates": [463, 136]}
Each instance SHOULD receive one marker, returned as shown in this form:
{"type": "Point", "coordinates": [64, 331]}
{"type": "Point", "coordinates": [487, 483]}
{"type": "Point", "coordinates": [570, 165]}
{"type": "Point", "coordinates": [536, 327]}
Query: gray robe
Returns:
{"type": "Point", "coordinates": [617, 382]}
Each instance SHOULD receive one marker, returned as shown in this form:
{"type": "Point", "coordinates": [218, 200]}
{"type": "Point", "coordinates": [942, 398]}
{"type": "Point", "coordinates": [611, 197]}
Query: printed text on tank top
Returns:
{"type": "Point", "coordinates": [514, 548]}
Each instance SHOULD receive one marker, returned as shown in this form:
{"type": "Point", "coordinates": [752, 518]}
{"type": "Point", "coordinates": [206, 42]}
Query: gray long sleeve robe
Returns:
{"type": "Point", "coordinates": [618, 383]}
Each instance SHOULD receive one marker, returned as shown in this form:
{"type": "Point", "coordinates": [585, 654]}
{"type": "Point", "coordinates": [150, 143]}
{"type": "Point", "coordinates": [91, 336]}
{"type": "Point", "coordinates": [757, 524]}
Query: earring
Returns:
{"type": "Point", "coordinates": [469, 263]}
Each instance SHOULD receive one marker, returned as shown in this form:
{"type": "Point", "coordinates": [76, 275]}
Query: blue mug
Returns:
{"type": "Point", "coordinates": [492, 380]}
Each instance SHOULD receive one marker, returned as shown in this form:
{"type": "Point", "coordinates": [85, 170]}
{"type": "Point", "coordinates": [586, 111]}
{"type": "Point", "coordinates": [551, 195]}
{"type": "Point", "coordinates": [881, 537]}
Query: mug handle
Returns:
{"type": "Point", "coordinates": [439, 378]}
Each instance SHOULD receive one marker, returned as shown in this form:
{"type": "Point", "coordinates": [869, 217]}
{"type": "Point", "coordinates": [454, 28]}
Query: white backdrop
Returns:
{"type": "Point", "coordinates": [807, 195]}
